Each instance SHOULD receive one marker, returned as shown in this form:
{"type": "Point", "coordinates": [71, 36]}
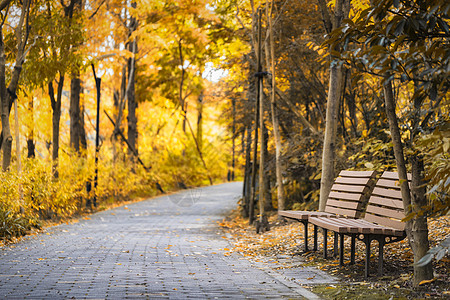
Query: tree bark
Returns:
{"type": "Point", "coordinates": [132, 102]}
{"type": "Point", "coordinates": [200, 121]}
{"type": "Point", "coordinates": [416, 228]}
{"type": "Point", "coordinates": [329, 141]}
{"type": "Point", "coordinates": [247, 174]}
{"type": "Point", "coordinates": [6, 130]}
{"type": "Point", "coordinates": [30, 135]}
{"type": "Point", "coordinates": [276, 131]}
{"type": "Point", "coordinates": [342, 8]}
{"type": "Point", "coordinates": [56, 117]}
{"type": "Point", "coordinates": [75, 113]}
{"type": "Point", "coordinates": [8, 96]}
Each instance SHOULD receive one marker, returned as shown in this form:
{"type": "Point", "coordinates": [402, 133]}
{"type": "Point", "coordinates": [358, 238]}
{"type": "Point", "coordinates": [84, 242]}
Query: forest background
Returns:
{"type": "Point", "coordinates": [198, 92]}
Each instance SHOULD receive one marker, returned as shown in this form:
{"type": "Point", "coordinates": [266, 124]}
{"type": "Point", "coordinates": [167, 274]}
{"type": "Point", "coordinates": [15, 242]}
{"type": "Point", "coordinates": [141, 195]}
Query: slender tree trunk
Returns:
{"type": "Point", "coordinates": [6, 130]}
{"type": "Point", "coordinates": [262, 154]}
{"type": "Point", "coordinates": [341, 10]}
{"type": "Point", "coordinates": [276, 131]}
{"type": "Point", "coordinates": [17, 131]}
{"type": "Point", "coordinates": [8, 96]}
{"type": "Point", "coordinates": [75, 113]}
{"type": "Point", "coordinates": [329, 141]}
{"type": "Point", "coordinates": [264, 148]}
{"type": "Point", "coordinates": [233, 154]}
{"type": "Point", "coordinates": [200, 121]}
{"type": "Point", "coordinates": [132, 102]}
{"type": "Point", "coordinates": [416, 228]}
{"type": "Point", "coordinates": [82, 128]}
{"type": "Point", "coordinates": [56, 116]}
{"type": "Point", "coordinates": [247, 173]}
{"type": "Point", "coordinates": [132, 106]}
{"type": "Point", "coordinates": [30, 135]}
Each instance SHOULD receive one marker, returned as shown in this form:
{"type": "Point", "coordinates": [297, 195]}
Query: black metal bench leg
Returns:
{"type": "Point", "coordinates": [381, 243]}
{"type": "Point", "coordinates": [367, 241]}
{"type": "Point", "coordinates": [325, 242]}
{"type": "Point", "coordinates": [341, 249]}
{"type": "Point", "coordinates": [353, 250]}
{"type": "Point", "coordinates": [315, 238]}
{"type": "Point", "coordinates": [335, 245]}
{"type": "Point", "coordinates": [305, 223]}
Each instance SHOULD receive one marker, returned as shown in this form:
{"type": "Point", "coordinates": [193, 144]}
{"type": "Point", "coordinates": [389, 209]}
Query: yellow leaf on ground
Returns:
{"type": "Point", "coordinates": [427, 281]}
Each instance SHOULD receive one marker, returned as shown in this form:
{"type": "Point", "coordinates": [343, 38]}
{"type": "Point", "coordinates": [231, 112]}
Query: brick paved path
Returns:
{"type": "Point", "coordinates": [169, 247]}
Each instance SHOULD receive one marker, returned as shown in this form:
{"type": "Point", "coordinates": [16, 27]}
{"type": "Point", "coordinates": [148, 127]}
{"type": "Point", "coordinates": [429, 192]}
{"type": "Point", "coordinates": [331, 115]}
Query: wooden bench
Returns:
{"type": "Point", "coordinates": [382, 222]}
{"type": "Point", "coordinates": [348, 197]}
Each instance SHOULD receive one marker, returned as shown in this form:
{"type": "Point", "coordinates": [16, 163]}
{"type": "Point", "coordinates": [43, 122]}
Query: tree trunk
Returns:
{"type": "Point", "coordinates": [8, 96]}
{"type": "Point", "coordinates": [6, 130]}
{"type": "Point", "coordinates": [82, 128]}
{"type": "Point", "coordinates": [75, 113]}
{"type": "Point", "coordinates": [247, 173]}
{"type": "Point", "coordinates": [17, 131]}
{"type": "Point", "coordinates": [200, 121]}
{"type": "Point", "coordinates": [341, 10]}
{"type": "Point", "coordinates": [30, 135]}
{"type": "Point", "coordinates": [264, 148]}
{"type": "Point", "coordinates": [132, 117]}
{"type": "Point", "coordinates": [132, 102]}
{"type": "Point", "coordinates": [276, 131]}
{"type": "Point", "coordinates": [56, 116]}
{"type": "Point", "coordinates": [416, 228]}
{"type": "Point", "coordinates": [329, 141]}
{"type": "Point", "coordinates": [233, 129]}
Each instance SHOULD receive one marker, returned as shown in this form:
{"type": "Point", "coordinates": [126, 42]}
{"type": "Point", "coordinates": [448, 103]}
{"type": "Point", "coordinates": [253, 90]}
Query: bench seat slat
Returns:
{"type": "Point", "coordinates": [333, 224]}
{"type": "Point", "coordinates": [302, 215]}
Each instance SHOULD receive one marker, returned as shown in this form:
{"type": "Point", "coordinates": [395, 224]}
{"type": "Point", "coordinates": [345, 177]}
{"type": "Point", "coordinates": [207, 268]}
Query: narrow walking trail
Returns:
{"type": "Point", "coordinates": [169, 247]}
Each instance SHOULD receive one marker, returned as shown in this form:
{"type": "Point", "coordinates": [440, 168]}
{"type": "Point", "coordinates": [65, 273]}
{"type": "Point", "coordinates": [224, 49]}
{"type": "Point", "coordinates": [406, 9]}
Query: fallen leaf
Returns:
{"type": "Point", "coordinates": [427, 281]}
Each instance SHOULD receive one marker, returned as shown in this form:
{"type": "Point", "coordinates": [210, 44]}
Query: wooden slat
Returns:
{"type": "Point", "coordinates": [301, 215]}
{"type": "Point", "coordinates": [341, 211]}
{"type": "Point", "coordinates": [352, 181]}
{"type": "Point", "coordinates": [388, 183]}
{"type": "Point", "coordinates": [397, 204]}
{"type": "Point", "coordinates": [344, 196]}
{"type": "Point", "coordinates": [393, 175]}
{"type": "Point", "coordinates": [332, 224]}
{"type": "Point", "coordinates": [343, 204]}
{"type": "Point", "coordinates": [392, 184]}
{"type": "Point", "coordinates": [346, 173]}
{"type": "Point", "coordinates": [387, 193]}
{"type": "Point", "coordinates": [348, 188]}
{"type": "Point", "coordinates": [385, 212]}
{"type": "Point", "coordinates": [385, 221]}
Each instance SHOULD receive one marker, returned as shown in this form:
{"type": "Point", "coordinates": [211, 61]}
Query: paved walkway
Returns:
{"type": "Point", "coordinates": [168, 247]}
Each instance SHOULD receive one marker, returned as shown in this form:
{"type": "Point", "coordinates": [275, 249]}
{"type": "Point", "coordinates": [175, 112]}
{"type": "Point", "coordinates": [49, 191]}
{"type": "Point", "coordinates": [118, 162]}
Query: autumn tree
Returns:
{"type": "Point", "coordinates": [8, 94]}
{"type": "Point", "coordinates": [55, 56]}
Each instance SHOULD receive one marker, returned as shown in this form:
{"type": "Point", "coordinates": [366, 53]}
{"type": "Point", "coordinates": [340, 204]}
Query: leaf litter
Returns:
{"type": "Point", "coordinates": [285, 239]}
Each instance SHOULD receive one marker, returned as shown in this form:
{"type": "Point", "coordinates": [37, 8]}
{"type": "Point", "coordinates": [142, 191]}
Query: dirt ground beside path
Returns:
{"type": "Point", "coordinates": [286, 239]}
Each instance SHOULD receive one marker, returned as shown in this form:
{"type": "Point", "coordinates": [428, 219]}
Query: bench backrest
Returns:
{"type": "Point", "coordinates": [385, 205]}
{"type": "Point", "coordinates": [350, 192]}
